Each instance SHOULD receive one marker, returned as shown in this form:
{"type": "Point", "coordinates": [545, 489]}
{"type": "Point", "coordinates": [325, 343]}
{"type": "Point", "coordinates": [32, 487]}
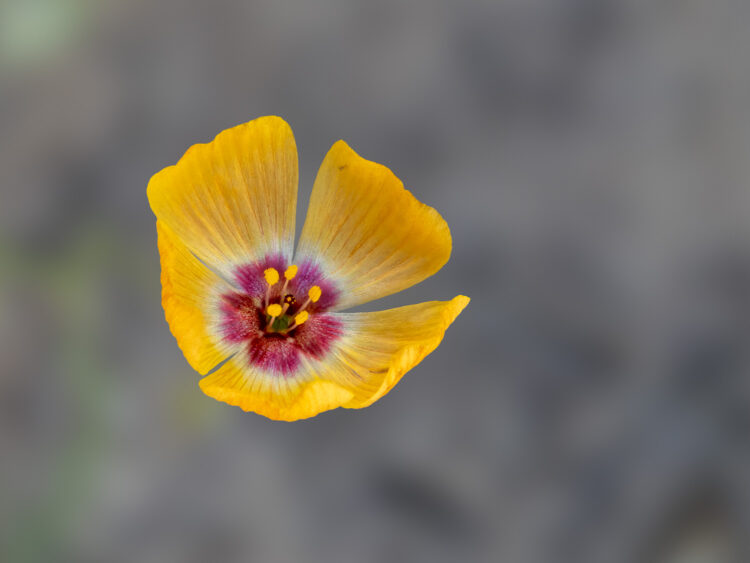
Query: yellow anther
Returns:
{"type": "Point", "coordinates": [291, 271]}
{"type": "Point", "coordinates": [274, 310]}
{"type": "Point", "coordinates": [271, 275]}
{"type": "Point", "coordinates": [314, 293]}
{"type": "Point", "coordinates": [301, 317]}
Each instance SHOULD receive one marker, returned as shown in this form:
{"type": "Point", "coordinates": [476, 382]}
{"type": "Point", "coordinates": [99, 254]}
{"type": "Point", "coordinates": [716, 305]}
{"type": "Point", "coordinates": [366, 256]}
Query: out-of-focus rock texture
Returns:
{"type": "Point", "coordinates": [591, 405]}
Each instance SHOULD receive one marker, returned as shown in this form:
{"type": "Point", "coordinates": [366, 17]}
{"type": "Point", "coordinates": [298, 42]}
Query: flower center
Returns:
{"type": "Point", "coordinates": [279, 322]}
{"type": "Point", "coordinates": [288, 314]}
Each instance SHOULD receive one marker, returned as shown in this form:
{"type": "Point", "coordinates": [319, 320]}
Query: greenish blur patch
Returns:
{"type": "Point", "coordinates": [282, 323]}
{"type": "Point", "coordinates": [32, 31]}
{"type": "Point", "coordinates": [73, 287]}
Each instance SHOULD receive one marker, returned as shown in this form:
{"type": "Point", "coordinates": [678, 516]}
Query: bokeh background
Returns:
{"type": "Point", "coordinates": [592, 404]}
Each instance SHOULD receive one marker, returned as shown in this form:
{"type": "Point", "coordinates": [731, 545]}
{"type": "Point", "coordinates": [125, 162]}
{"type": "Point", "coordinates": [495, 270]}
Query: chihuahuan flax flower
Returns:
{"type": "Point", "coordinates": [236, 296]}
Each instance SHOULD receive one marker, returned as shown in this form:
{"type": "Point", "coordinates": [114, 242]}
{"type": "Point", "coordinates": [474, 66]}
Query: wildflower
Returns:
{"type": "Point", "coordinates": [237, 297]}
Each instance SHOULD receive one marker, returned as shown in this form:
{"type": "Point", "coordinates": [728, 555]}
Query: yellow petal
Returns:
{"type": "Point", "coordinates": [233, 200]}
{"type": "Point", "coordinates": [382, 346]}
{"type": "Point", "coordinates": [274, 397]}
{"type": "Point", "coordinates": [369, 234]}
{"type": "Point", "coordinates": [376, 350]}
{"type": "Point", "coordinates": [188, 290]}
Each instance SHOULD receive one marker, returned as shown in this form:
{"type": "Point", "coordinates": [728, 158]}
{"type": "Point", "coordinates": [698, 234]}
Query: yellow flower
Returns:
{"type": "Point", "coordinates": [232, 287]}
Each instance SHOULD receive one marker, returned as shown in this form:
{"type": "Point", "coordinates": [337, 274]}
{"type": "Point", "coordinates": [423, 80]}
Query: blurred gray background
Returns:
{"type": "Point", "coordinates": [592, 404]}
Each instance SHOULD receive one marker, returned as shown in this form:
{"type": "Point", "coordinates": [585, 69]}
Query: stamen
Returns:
{"type": "Point", "coordinates": [300, 319]}
{"type": "Point", "coordinates": [313, 295]}
{"type": "Point", "coordinates": [272, 277]}
{"type": "Point", "coordinates": [289, 274]}
{"type": "Point", "coordinates": [273, 312]}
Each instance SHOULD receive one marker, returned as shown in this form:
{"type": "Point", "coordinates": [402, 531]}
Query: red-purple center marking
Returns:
{"type": "Point", "coordinates": [279, 346]}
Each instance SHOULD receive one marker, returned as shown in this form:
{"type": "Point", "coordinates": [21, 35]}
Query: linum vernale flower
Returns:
{"type": "Point", "coordinates": [236, 296]}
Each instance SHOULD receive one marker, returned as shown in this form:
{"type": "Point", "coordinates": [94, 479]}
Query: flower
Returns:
{"type": "Point", "coordinates": [234, 297]}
